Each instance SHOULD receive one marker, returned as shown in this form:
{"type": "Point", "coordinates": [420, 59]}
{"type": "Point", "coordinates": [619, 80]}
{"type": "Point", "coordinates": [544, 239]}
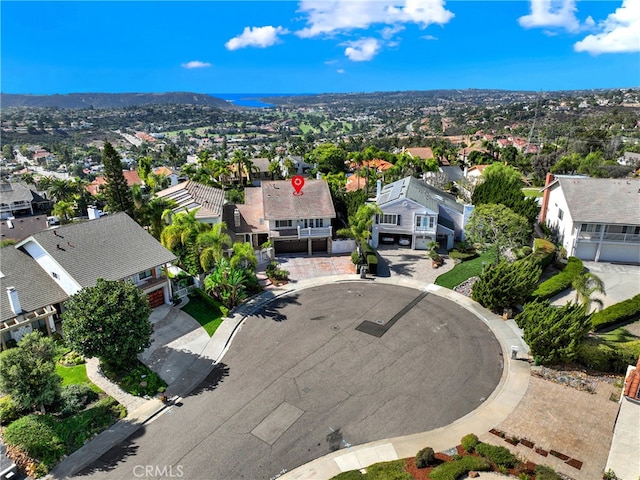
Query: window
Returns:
{"type": "Point", "coordinates": [424, 222]}
{"type": "Point", "coordinates": [284, 223]}
{"type": "Point", "coordinates": [590, 228]}
{"type": "Point", "coordinates": [313, 223]}
{"type": "Point", "coordinates": [560, 214]}
{"type": "Point", "coordinates": [390, 219]}
{"type": "Point", "coordinates": [145, 274]}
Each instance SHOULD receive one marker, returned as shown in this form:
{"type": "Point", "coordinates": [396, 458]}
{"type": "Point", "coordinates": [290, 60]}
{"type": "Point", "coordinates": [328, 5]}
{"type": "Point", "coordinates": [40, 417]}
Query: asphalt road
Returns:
{"type": "Point", "coordinates": [300, 381]}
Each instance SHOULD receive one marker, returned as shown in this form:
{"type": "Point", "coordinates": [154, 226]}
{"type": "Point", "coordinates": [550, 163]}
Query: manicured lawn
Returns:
{"type": "Point", "coordinates": [378, 471]}
{"type": "Point", "coordinates": [207, 313]}
{"type": "Point", "coordinates": [465, 270]}
{"type": "Point", "coordinates": [75, 375]}
{"type": "Point", "coordinates": [532, 192]}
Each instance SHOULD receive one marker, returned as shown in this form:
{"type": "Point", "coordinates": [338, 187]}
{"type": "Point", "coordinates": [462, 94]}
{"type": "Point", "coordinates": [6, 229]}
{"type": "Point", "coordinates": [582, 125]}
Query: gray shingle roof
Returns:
{"type": "Point", "coordinates": [281, 204]}
{"type": "Point", "coordinates": [18, 192]}
{"type": "Point", "coordinates": [112, 247]}
{"type": "Point", "coordinates": [602, 200]}
{"type": "Point", "coordinates": [192, 195]}
{"type": "Point", "coordinates": [35, 288]}
{"type": "Point", "coordinates": [413, 189]}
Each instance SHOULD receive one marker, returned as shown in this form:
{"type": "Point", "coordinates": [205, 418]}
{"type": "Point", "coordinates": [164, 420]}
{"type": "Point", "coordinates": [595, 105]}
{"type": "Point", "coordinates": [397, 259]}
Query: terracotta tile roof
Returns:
{"type": "Point", "coordinates": [131, 176]}
{"type": "Point", "coordinates": [163, 171]}
{"type": "Point", "coordinates": [355, 182]}
{"type": "Point", "coordinates": [422, 152]}
{"type": "Point", "coordinates": [632, 383]}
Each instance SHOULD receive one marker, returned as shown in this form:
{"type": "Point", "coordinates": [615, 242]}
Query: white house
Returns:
{"type": "Point", "coordinates": [594, 218]}
{"type": "Point", "coordinates": [415, 211]}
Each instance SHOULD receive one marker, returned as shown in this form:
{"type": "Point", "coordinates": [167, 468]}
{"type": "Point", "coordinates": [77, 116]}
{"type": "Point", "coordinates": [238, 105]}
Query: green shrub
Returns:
{"type": "Point", "coordinates": [546, 473]}
{"type": "Point", "coordinates": [469, 442]}
{"type": "Point", "coordinates": [274, 271]}
{"type": "Point", "coordinates": [620, 312]}
{"type": "Point", "coordinates": [75, 397]}
{"type": "Point", "coordinates": [36, 435]}
{"type": "Point", "coordinates": [139, 380]}
{"type": "Point", "coordinates": [356, 258]}
{"type": "Point", "coordinates": [501, 456]}
{"type": "Point", "coordinates": [561, 281]}
{"type": "Point", "coordinates": [9, 411]}
{"type": "Point", "coordinates": [543, 252]}
{"type": "Point", "coordinates": [425, 457]}
{"type": "Point", "coordinates": [349, 475]}
{"type": "Point", "coordinates": [602, 357]}
{"type": "Point", "coordinates": [367, 249]}
{"type": "Point", "coordinates": [459, 468]}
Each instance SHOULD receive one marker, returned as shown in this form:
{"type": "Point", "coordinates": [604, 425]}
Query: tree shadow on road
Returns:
{"type": "Point", "coordinates": [113, 457]}
{"type": "Point", "coordinates": [216, 377]}
{"type": "Point", "coordinates": [272, 309]}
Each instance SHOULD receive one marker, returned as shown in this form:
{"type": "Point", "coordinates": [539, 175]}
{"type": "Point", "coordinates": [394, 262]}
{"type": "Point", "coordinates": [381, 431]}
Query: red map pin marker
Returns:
{"type": "Point", "coordinates": [297, 183]}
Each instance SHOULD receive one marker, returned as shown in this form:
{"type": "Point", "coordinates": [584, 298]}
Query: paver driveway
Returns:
{"type": "Point", "coordinates": [301, 381]}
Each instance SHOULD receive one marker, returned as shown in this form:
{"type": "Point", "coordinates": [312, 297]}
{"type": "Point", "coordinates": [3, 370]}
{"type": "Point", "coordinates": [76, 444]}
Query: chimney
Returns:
{"type": "Point", "coordinates": [545, 198]}
{"type": "Point", "coordinates": [236, 218]}
{"type": "Point", "coordinates": [14, 301]}
{"type": "Point", "coordinates": [378, 188]}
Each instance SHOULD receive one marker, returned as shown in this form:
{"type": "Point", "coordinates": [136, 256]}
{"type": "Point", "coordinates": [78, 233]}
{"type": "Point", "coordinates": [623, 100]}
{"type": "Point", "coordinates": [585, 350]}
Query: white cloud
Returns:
{"type": "Point", "coordinates": [428, 37]}
{"type": "Point", "coordinates": [260, 37]}
{"type": "Point", "coordinates": [195, 64]}
{"type": "Point", "coordinates": [619, 33]}
{"type": "Point", "coordinates": [551, 13]}
{"type": "Point", "coordinates": [340, 70]}
{"type": "Point", "coordinates": [389, 32]}
{"type": "Point", "coordinates": [330, 17]}
{"type": "Point", "coordinates": [362, 50]}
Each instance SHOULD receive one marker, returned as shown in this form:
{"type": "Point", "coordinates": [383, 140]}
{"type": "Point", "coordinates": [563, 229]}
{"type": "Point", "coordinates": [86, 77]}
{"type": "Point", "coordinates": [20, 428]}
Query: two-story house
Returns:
{"type": "Point", "coordinates": [416, 212]}
{"type": "Point", "coordinates": [594, 218]}
{"type": "Point", "coordinates": [113, 247]}
{"type": "Point", "coordinates": [17, 199]}
{"type": "Point", "coordinates": [294, 223]}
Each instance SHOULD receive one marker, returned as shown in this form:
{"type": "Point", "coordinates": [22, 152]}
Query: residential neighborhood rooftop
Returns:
{"type": "Point", "coordinates": [280, 202]}
{"type": "Point", "coordinates": [599, 200]}
{"type": "Point", "coordinates": [190, 195]}
{"type": "Point", "coordinates": [420, 192]}
{"type": "Point", "coordinates": [34, 289]}
{"type": "Point", "coordinates": [87, 250]}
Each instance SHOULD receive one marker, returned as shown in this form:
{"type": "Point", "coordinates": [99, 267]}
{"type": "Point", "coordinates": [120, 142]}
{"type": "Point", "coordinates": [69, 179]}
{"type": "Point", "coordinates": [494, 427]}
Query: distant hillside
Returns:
{"type": "Point", "coordinates": [111, 100]}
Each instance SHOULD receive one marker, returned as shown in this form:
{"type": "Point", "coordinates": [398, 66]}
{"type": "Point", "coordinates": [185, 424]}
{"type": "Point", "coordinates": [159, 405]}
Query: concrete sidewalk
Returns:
{"type": "Point", "coordinates": [186, 361]}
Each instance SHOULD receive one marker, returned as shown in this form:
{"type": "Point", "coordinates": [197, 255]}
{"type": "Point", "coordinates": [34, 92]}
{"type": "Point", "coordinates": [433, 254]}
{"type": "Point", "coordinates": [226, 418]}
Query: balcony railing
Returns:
{"type": "Point", "coordinates": [424, 229]}
{"type": "Point", "coordinates": [314, 232]}
{"type": "Point", "coordinates": [610, 237]}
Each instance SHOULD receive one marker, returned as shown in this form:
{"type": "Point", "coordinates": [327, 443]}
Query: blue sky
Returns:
{"type": "Point", "coordinates": [318, 46]}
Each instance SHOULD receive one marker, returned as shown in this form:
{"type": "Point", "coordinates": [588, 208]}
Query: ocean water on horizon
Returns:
{"type": "Point", "coordinates": [251, 99]}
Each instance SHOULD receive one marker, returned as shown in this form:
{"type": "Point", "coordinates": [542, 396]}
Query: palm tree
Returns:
{"type": "Point", "coordinates": [210, 245]}
{"type": "Point", "coordinates": [244, 256]}
{"type": "Point", "coordinates": [156, 212]}
{"type": "Point", "coordinates": [240, 159]}
{"type": "Point", "coordinates": [64, 211]}
{"type": "Point", "coordinates": [585, 286]}
{"type": "Point", "coordinates": [180, 237]}
{"type": "Point", "coordinates": [62, 190]}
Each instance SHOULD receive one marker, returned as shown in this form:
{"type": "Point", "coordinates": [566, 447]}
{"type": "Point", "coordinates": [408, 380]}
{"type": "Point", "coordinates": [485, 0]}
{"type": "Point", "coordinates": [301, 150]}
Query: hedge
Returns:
{"type": "Point", "coordinates": [618, 313]}
{"type": "Point", "coordinates": [501, 456]}
{"type": "Point", "coordinates": [372, 264]}
{"type": "Point", "coordinates": [459, 468]}
{"type": "Point", "coordinates": [543, 252]}
{"type": "Point", "coordinates": [561, 281]}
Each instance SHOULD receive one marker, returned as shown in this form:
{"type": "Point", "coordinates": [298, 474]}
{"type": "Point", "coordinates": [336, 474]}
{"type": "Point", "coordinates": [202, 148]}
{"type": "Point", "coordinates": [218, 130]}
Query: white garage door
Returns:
{"type": "Point", "coordinates": [620, 253]}
{"type": "Point", "coordinates": [586, 251]}
{"type": "Point", "coordinates": [422, 242]}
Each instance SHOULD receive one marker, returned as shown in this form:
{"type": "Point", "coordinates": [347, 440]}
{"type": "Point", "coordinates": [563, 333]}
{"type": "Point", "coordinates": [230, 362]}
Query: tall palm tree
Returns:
{"type": "Point", "coordinates": [62, 190]}
{"type": "Point", "coordinates": [244, 256]}
{"type": "Point", "coordinates": [156, 212]}
{"type": "Point", "coordinates": [585, 286]}
{"type": "Point", "coordinates": [240, 159]}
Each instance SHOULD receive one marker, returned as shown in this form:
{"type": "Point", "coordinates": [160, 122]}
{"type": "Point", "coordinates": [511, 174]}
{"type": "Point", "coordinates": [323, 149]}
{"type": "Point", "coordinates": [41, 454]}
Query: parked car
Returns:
{"type": "Point", "coordinates": [405, 242]}
{"type": "Point", "coordinates": [387, 239]}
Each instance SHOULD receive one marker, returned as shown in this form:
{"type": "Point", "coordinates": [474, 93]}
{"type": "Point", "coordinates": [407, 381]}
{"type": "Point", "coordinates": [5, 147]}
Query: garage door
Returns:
{"type": "Point", "coordinates": [422, 242]}
{"type": "Point", "coordinates": [290, 246]}
{"type": "Point", "coordinates": [156, 298]}
{"type": "Point", "coordinates": [586, 251]}
{"type": "Point", "coordinates": [319, 245]}
{"type": "Point", "coordinates": [620, 253]}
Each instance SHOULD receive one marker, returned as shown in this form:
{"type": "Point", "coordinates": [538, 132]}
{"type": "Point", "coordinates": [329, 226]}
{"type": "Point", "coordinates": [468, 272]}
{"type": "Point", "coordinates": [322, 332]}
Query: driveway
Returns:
{"type": "Point", "coordinates": [317, 370]}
